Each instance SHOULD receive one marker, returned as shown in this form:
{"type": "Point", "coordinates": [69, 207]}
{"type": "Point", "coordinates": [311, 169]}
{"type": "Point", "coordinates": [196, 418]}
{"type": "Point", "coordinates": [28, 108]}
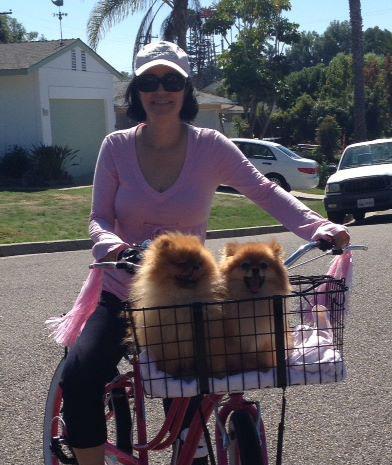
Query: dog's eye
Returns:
{"type": "Point", "coordinates": [263, 265]}
{"type": "Point", "coordinates": [245, 266]}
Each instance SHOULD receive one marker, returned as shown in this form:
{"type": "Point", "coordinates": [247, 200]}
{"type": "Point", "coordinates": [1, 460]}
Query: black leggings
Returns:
{"type": "Point", "coordinates": [89, 365]}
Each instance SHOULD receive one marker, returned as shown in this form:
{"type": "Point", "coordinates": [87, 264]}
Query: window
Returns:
{"type": "Point", "coordinates": [256, 151]}
{"type": "Point", "coordinates": [366, 155]}
{"type": "Point", "coordinates": [288, 152]}
{"type": "Point", "coordinates": [73, 60]}
{"type": "Point", "coordinates": [83, 60]}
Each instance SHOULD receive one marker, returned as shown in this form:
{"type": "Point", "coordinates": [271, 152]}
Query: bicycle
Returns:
{"type": "Point", "coordinates": [239, 429]}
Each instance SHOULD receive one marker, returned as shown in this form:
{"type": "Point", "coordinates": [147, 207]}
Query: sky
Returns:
{"type": "Point", "coordinates": [117, 45]}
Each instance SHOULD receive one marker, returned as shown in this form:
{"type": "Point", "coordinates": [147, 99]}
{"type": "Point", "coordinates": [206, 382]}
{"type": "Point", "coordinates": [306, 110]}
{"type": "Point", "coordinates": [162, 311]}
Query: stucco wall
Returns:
{"type": "Point", "coordinates": [25, 117]}
{"type": "Point", "coordinates": [210, 119]}
{"type": "Point", "coordinates": [20, 122]}
{"type": "Point", "coordinates": [58, 81]}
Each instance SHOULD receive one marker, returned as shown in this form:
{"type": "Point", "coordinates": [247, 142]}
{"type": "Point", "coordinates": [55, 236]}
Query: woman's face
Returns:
{"type": "Point", "coordinates": [161, 103]}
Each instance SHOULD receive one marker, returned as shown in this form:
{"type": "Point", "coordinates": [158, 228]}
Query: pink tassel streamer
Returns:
{"type": "Point", "coordinates": [66, 329]}
{"type": "Point", "coordinates": [341, 267]}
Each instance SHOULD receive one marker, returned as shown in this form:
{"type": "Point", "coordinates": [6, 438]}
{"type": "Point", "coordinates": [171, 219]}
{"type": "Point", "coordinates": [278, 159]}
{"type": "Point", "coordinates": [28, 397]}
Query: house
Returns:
{"type": "Point", "coordinates": [56, 92]}
{"type": "Point", "coordinates": [217, 112]}
{"type": "Point", "coordinates": [214, 112]}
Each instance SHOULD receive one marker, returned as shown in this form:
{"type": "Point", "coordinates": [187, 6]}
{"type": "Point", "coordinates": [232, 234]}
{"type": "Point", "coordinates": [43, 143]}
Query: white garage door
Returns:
{"type": "Point", "coordinates": [79, 124]}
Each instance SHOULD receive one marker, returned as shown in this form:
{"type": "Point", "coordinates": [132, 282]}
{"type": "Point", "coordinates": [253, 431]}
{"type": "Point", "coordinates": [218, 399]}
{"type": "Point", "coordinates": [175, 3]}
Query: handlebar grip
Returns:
{"type": "Point", "coordinates": [325, 245]}
{"type": "Point", "coordinates": [123, 265]}
{"type": "Point", "coordinates": [127, 266]}
{"type": "Point", "coordinates": [129, 255]}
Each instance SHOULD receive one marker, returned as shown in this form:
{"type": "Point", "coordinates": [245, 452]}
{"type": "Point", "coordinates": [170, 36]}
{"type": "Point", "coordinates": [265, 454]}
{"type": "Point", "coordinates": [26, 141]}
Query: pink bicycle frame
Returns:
{"type": "Point", "coordinates": [172, 425]}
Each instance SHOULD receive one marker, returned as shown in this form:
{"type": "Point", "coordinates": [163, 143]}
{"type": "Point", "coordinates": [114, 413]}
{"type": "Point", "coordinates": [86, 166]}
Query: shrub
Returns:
{"type": "Point", "coordinates": [328, 136]}
{"type": "Point", "coordinates": [241, 126]}
{"type": "Point", "coordinates": [15, 163]}
{"type": "Point", "coordinates": [326, 169]}
{"type": "Point", "coordinates": [48, 162]}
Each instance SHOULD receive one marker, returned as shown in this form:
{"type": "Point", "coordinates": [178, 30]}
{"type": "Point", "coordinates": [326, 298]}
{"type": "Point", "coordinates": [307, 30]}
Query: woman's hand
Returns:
{"type": "Point", "coordinates": [341, 239]}
{"type": "Point", "coordinates": [113, 255]}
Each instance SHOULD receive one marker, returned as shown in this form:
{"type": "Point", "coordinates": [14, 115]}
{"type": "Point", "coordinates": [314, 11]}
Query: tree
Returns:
{"type": "Point", "coordinates": [336, 39]}
{"type": "Point", "coordinates": [360, 133]}
{"type": "Point", "coordinates": [254, 64]}
{"type": "Point", "coordinates": [309, 81]}
{"type": "Point", "coordinates": [328, 136]}
{"type": "Point", "coordinates": [107, 13]}
{"type": "Point", "coordinates": [12, 31]}
{"type": "Point", "coordinates": [378, 41]}
{"type": "Point", "coordinates": [201, 50]}
{"type": "Point", "coordinates": [305, 52]}
{"type": "Point", "coordinates": [312, 48]}
{"type": "Point", "coordinates": [387, 78]}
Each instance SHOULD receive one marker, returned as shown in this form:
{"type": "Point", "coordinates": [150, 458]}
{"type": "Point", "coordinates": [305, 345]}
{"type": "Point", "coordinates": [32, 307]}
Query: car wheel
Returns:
{"type": "Point", "coordinates": [336, 217]}
{"type": "Point", "coordinates": [359, 216]}
{"type": "Point", "coordinates": [279, 180]}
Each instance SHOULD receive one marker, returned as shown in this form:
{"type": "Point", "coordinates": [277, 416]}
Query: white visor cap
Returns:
{"type": "Point", "coordinates": [162, 53]}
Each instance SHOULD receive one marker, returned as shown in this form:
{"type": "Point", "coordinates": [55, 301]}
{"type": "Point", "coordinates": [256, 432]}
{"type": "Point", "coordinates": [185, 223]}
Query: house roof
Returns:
{"type": "Point", "coordinates": [205, 100]}
{"type": "Point", "coordinates": [22, 57]}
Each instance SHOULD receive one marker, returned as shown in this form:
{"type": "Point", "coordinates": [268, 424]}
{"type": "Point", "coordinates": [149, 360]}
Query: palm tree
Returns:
{"type": "Point", "coordinates": [107, 13]}
{"type": "Point", "coordinates": [360, 132]}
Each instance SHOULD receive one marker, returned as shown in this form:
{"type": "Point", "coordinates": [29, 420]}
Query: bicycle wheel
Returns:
{"type": "Point", "coordinates": [55, 447]}
{"type": "Point", "coordinates": [245, 447]}
{"type": "Point", "coordinates": [56, 450]}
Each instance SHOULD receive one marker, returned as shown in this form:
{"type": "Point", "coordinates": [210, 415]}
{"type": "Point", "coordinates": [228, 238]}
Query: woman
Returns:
{"type": "Point", "coordinates": [160, 175]}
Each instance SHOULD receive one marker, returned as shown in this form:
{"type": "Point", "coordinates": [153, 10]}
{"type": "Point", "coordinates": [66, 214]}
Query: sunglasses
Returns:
{"type": "Point", "coordinates": [171, 82]}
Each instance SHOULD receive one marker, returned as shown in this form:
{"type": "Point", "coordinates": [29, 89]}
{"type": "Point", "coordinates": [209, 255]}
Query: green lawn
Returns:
{"type": "Point", "coordinates": [63, 214]}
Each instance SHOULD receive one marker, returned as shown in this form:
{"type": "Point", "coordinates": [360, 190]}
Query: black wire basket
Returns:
{"type": "Point", "coordinates": [237, 345]}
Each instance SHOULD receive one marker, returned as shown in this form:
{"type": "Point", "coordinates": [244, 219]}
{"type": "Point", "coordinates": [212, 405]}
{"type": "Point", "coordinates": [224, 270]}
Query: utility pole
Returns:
{"type": "Point", "coordinates": [60, 16]}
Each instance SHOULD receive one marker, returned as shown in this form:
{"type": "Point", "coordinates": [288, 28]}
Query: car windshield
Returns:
{"type": "Point", "coordinates": [288, 152]}
{"type": "Point", "coordinates": [365, 155]}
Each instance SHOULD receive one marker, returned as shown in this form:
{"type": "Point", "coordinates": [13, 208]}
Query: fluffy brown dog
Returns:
{"type": "Point", "coordinates": [177, 270]}
{"type": "Point", "coordinates": [253, 270]}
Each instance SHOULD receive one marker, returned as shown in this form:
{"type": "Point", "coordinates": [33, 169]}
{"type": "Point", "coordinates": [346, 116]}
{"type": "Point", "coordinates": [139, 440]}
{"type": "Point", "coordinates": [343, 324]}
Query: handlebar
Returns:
{"type": "Point", "coordinates": [322, 245]}
{"type": "Point", "coordinates": [121, 265]}
{"type": "Point", "coordinates": [128, 259]}
{"type": "Point", "coordinates": [131, 263]}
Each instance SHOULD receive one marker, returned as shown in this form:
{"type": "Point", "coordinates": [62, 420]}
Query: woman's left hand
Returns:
{"type": "Point", "coordinates": [341, 239]}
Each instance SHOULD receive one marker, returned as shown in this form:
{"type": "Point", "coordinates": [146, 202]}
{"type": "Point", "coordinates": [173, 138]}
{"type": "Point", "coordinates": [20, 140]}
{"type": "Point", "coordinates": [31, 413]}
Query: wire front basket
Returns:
{"type": "Point", "coordinates": [238, 345]}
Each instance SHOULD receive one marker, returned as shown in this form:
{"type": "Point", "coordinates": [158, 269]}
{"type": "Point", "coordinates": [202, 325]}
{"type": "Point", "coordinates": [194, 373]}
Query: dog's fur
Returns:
{"type": "Point", "coordinates": [253, 270]}
{"type": "Point", "coordinates": [177, 270]}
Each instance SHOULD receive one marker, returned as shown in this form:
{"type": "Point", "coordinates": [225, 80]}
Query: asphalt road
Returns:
{"type": "Point", "coordinates": [343, 424]}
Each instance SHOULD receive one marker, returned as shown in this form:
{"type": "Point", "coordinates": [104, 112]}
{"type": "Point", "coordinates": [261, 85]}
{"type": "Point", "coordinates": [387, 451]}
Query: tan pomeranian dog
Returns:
{"type": "Point", "coordinates": [253, 270]}
{"type": "Point", "coordinates": [177, 270]}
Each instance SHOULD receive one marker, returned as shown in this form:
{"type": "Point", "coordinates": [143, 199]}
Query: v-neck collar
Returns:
{"type": "Point", "coordinates": [183, 173]}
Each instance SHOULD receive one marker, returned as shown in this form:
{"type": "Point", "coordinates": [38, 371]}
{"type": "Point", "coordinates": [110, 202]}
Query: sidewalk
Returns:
{"type": "Point", "coordinates": [306, 196]}
{"type": "Point", "coordinates": [27, 248]}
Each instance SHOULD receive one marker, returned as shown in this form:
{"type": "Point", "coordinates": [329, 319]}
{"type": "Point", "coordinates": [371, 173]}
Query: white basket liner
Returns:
{"type": "Point", "coordinates": [313, 360]}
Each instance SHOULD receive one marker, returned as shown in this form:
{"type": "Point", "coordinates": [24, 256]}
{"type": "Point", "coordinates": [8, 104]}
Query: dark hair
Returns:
{"type": "Point", "coordinates": [136, 112]}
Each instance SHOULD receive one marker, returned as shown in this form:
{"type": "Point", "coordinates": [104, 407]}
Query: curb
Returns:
{"type": "Point", "coordinates": [29, 248]}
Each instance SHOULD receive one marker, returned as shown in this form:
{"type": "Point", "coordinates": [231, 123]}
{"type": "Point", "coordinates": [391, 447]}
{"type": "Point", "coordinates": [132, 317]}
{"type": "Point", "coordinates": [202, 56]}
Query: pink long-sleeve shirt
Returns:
{"type": "Point", "coordinates": [126, 209]}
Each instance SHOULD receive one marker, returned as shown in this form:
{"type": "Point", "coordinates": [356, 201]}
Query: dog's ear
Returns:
{"type": "Point", "coordinates": [277, 249]}
{"type": "Point", "coordinates": [230, 249]}
{"type": "Point", "coordinates": [164, 242]}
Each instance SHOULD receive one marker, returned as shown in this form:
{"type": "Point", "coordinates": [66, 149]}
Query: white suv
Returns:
{"type": "Point", "coordinates": [280, 164]}
{"type": "Point", "coordinates": [362, 182]}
